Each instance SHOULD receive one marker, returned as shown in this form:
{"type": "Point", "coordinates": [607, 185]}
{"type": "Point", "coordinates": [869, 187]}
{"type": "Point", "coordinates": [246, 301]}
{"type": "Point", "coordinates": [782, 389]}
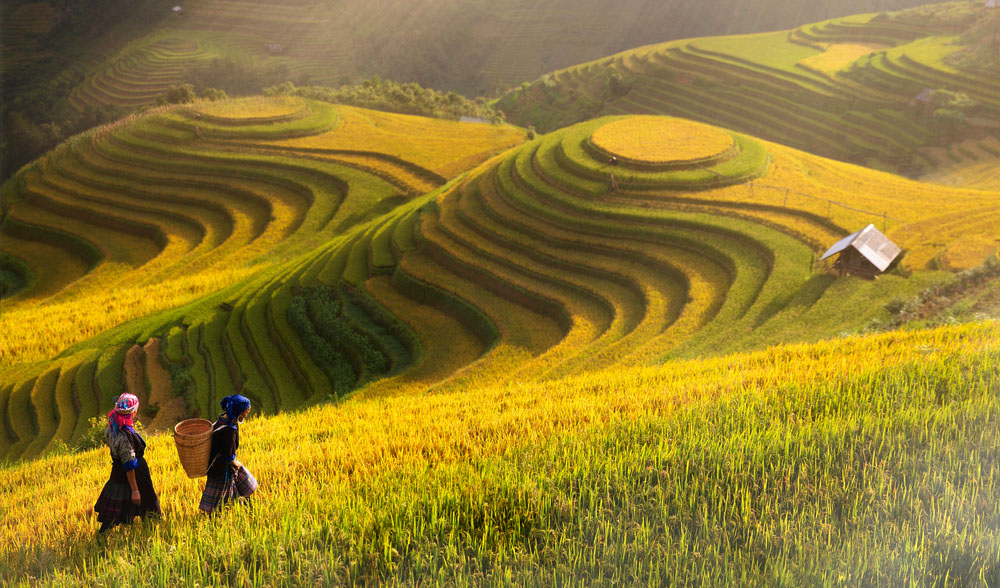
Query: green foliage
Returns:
{"type": "Point", "coordinates": [182, 94]}
{"type": "Point", "coordinates": [93, 436]}
{"type": "Point", "coordinates": [182, 383]}
{"type": "Point", "coordinates": [346, 355]}
{"type": "Point", "coordinates": [228, 76]}
{"type": "Point", "coordinates": [390, 96]}
{"type": "Point", "coordinates": [948, 120]}
{"type": "Point", "coordinates": [58, 447]}
{"type": "Point", "coordinates": [213, 94]}
{"type": "Point", "coordinates": [966, 296]}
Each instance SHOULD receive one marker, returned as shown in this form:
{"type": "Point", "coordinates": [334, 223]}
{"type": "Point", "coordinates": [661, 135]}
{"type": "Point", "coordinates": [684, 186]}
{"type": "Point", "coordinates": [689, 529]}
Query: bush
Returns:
{"type": "Point", "coordinates": [182, 94]}
{"type": "Point", "coordinates": [214, 94]}
{"type": "Point", "coordinates": [379, 94]}
{"type": "Point", "coordinates": [58, 447]}
{"type": "Point", "coordinates": [94, 436]}
{"type": "Point", "coordinates": [949, 120]}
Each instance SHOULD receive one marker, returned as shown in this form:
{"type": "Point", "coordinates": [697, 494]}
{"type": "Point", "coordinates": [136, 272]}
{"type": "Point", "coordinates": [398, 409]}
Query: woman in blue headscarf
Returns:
{"type": "Point", "coordinates": [228, 479]}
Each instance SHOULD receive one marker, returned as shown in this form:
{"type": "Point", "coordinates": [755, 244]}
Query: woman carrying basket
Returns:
{"type": "Point", "coordinates": [228, 479]}
{"type": "Point", "coordinates": [129, 492]}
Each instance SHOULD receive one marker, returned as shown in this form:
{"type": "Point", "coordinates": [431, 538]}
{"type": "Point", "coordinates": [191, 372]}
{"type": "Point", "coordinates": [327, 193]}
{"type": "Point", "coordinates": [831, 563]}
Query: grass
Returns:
{"type": "Point", "coordinates": [581, 479]}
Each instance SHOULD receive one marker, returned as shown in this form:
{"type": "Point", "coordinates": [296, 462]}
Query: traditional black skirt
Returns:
{"type": "Point", "coordinates": [114, 505]}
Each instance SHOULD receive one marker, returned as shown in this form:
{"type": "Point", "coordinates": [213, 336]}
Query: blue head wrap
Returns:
{"type": "Point", "coordinates": [234, 406]}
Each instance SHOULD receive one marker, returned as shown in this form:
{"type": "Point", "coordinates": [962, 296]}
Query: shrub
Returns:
{"type": "Point", "coordinates": [949, 120]}
{"type": "Point", "coordinates": [386, 95]}
{"type": "Point", "coordinates": [214, 94]}
{"type": "Point", "coordinates": [58, 447]}
{"type": "Point", "coordinates": [94, 435]}
{"type": "Point", "coordinates": [182, 94]}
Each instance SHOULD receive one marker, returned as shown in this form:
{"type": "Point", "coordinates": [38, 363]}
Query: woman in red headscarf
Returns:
{"type": "Point", "coordinates": [129, 491]}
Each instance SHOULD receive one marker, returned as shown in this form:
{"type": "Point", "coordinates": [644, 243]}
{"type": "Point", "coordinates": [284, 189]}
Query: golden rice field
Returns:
{"type": "Point", "coordinates": [35, 332]}
{"type": "Point", "coordinates": [934, 224]}
{"type": "Point", "coordinates": [836, 56]}
{"type": "Point", "coordinates": [655, 140]}
{"type": "Point", "coordinates": [430, 143]}
{"type": "Point", "coordinates": [253, 108]}
{"type": "Point", "coordinates": [454, 466]}
{"type": "Point", "coordinates": [544, 270]}
{"type": "Point", "coordinates": [477, 359]}
{"type": "Point", "coordinates": [251, 238]}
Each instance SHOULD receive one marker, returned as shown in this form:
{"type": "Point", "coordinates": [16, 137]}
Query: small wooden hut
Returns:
{"type": "Point", "coordinates": [866, 253]}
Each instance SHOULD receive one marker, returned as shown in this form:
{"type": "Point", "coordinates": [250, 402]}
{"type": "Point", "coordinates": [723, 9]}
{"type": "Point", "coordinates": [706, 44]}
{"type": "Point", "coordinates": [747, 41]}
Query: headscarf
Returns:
{"type": "Point", "coordinates": [123, 412]}
{"type": "Point", "coordinates": [234, 406]}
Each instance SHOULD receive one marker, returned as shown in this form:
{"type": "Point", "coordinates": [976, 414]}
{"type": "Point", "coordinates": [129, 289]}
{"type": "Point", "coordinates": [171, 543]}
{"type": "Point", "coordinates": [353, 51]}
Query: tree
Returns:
{"type": "Point", "coordinates": [182, 94]}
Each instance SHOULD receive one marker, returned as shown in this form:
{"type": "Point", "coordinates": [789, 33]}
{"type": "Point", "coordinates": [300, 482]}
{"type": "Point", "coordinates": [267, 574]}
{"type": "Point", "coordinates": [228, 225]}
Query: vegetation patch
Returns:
{"type": "Point", "coordinates": [331, 324]}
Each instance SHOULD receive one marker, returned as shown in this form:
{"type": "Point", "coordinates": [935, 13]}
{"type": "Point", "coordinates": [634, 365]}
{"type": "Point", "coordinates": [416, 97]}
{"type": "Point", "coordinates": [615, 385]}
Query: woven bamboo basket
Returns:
{"type": "Point", "coordinates": [193, 438]}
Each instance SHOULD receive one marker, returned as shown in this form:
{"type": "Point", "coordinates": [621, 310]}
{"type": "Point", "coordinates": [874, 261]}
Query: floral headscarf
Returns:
{"type": "Point", "coordinates": [123, 412]}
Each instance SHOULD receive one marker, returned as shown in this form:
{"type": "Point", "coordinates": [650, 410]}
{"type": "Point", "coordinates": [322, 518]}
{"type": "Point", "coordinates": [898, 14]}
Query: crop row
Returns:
{"type": "Point", "coordinates": [141, 71]}
{"type": "Point", "coordinates": [263, 252]}
{"type": "Point", "coordinates": [532, 231]}
{"type": "Point", "coordinates": [532, 261]}
{"type": "Point", "coordinates": [857, 115]}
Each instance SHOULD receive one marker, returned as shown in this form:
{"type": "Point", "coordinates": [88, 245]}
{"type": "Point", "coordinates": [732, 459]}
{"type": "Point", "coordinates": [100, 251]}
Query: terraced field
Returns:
{"type": "Point", "coordinates": [272, 245]}
{"type": "Point", "coordinates": [158, 212]}
{"type": "Point", "coordinates": [20, 31]}
{"type": "Point", "coordinates": [973, 163]}
{"type": "Point", "coordinates": [843, 88]}
{"type": "Point", "coordinates": [145, 68]}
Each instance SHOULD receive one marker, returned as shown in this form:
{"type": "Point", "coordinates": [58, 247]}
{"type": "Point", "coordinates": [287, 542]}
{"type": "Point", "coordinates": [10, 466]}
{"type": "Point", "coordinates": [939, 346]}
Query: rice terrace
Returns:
{"type": "Point", "coordinates": [500, 294]}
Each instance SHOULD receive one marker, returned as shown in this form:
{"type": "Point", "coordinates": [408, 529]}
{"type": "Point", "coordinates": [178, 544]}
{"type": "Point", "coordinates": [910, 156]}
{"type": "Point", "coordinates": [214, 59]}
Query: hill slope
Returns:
{"type": "Point", "coordinates": [867, 459]}
{"type": "Point", "coordinates": [472, 47]}
{"type": "Point", "coordinates": [533, 264]}
{"type": "Point", "coordinates": [851, 88]}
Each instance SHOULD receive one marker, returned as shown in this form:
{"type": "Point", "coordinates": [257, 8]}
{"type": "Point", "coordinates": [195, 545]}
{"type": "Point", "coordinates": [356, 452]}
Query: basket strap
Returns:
{"type": "Point", "coordinates": [214, 430]}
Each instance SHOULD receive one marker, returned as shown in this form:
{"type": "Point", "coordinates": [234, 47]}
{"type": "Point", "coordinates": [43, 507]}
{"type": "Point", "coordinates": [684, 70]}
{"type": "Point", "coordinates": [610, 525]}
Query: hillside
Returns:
{"type": "Point", "coordinates": [68, 68]}
{"type": "Point", "coordinates": [315, 261]}
{"type": "Point", "coordinates": [472, 47]}
{"type": "Point", "coordinates": [599, 348]}
{"type": "Point", "coordinates": [851, 88]}
{"type": "Point", "coordinates": [868, 460]}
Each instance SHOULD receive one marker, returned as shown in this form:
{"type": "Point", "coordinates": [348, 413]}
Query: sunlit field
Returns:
{"type": "Point", "coordinates": [586, 335]}
{"type": "Point", "coordinates": [870, 458]}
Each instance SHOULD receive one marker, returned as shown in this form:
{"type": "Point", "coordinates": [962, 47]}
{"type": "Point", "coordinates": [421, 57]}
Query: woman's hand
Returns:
{"type": "Point", "coordinates": [135, 488]}
{"type": "Point", "coordinates": [237, 464]}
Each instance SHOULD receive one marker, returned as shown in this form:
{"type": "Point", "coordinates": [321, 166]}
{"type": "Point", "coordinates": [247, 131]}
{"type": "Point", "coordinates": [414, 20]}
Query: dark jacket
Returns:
{"type": "Point", "coordinates": [225, 442]}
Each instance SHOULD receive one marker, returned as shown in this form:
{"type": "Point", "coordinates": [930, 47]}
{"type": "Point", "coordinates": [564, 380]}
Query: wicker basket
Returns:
{"type": "Point", "coordinates": [193, 438]}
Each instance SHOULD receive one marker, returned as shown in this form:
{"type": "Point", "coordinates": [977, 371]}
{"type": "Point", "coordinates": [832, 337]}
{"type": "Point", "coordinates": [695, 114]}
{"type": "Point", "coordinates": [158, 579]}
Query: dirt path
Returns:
{"type": "Point", "coordinates": [135, 376]}
{"type": "Point", "coordinates": [150, 382]}
{"type": "Point", "coordinates": [171, 408]}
